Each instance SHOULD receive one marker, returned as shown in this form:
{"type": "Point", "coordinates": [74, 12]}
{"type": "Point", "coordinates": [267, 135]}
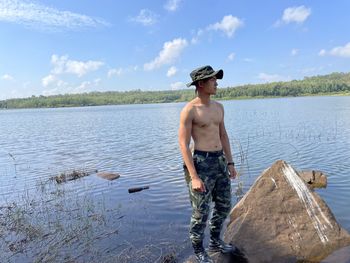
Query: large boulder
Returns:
{"type": "Point", "coordinates": [281, 219]}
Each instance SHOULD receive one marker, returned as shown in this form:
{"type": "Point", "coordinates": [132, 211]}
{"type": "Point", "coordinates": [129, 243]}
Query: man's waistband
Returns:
{"type": "Point", "coordinates": [208, 154]}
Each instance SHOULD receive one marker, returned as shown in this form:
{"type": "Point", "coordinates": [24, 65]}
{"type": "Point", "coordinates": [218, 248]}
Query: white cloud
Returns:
{"type": "Point", "coordinates": [7, 77]}
{"type": "Point", "coordinates": [171, 71]}
{"type": "Point", "coordinates": [121, 71]}
{"type": "Point", "coordinates": [294, 52]}
{"type": "Point", "coordinates": [343, 51]}
{"type": "Point", "coordinates": [295, 15]}
{"type": "Point", "coordinates": [172, 5]}
{"type": "Point", "coordinates": [229, 24]}
{"type": "Point", "coordinates": [177, 85]}
{"type": "Point", "coordinates": [170, 52]}
{"type": "Point", "coordinates": [340, 51]}
{"type": "Point", "coordinates": [58, 83]}
{"type": "Point", "coordinates": [64, 65]}
{"type": "Point", "coordinates": [322, 53]}
{"type": "Point", "coordinates": [62, 87]}
{"type": "Point", "coordinates": [231, 56]}
{"type": "Point", "coordinates": [58, 86]}
{"type": "Point", "coordinates": [195, 39]}
{"type": "Point", "coordinates": [48, 80]}
{"type": "Point", "coordinates": [86, 86]}
{"type": "Point", "coordinates": [32, 14]}
{"type": "Point", "coordinates": [115, 72]}
{"type": "Point", "coordinates": [272, 77]}
{"type": "Point", "coordinates": [146, 17]}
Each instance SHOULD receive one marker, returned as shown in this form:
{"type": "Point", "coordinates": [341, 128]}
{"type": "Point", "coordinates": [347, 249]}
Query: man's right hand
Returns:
{"type": "Point", "coordinates": [198, 185]}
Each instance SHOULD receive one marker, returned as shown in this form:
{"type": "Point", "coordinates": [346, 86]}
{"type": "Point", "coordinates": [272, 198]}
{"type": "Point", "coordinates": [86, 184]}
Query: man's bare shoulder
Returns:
{"type": "Point", "coordinates": [189, 107]}
{"type": "Point", "coordinates": [188, 110]}
{"type": "Point", "coordinates": [218, 104]}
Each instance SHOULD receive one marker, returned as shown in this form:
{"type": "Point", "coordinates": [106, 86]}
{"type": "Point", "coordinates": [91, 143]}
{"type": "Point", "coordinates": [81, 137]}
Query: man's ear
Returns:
{"type": "Point", "coordinates": [200, 83]}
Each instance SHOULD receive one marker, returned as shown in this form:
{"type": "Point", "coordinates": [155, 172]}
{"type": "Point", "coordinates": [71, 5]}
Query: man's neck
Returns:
{"type": "Point", "coordinates": [204, 99]}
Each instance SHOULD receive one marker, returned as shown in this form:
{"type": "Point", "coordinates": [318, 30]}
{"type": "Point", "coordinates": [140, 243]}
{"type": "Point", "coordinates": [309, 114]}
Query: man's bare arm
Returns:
{"type": "Point", "coordinates": [225, 141]}
{"type": "Point", "coordinates": [185, 130]}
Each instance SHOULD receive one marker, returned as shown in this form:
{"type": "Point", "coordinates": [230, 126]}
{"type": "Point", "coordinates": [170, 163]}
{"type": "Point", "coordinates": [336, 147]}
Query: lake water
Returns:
{"type": "Point", "coordinates": [140, 143]}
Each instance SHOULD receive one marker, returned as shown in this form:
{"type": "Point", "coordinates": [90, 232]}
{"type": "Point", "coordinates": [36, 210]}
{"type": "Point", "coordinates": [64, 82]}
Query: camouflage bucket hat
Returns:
{"type": "Point", "coordinates": [204, 73]}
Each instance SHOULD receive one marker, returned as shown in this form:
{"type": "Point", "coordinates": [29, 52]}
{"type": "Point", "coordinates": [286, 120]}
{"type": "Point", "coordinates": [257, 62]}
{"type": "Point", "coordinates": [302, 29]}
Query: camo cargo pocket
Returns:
{"type": "Point", "coordinates": [200, 162]}
{"type": "Point", "coordinates": [199, 200]}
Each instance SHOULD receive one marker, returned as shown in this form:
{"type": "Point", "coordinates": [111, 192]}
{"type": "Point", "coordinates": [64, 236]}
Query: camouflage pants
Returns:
{"type": "Point", "coordinates": [214, 174]}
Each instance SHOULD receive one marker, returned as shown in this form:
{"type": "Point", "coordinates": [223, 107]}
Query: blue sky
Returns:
{"type": "Point", "coordinates": [57, 47]}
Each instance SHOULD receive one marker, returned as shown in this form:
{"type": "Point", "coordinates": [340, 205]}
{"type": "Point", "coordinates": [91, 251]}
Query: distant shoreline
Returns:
{"type": "Point", "coordinates": [335, 84]}
{"type": "Point", "coordinates": [298, 96]}
{"type": "Point", "coordinates": [162, 102]}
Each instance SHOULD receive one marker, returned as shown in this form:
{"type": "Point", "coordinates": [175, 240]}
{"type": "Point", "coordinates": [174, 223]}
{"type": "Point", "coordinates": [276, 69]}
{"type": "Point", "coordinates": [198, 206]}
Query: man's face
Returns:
{"type": "Point", "coordinates": [210, 85]}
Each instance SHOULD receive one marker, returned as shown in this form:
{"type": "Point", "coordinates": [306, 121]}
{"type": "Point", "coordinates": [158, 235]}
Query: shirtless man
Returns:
{"type": "Point", "coordinates": [211, 165]}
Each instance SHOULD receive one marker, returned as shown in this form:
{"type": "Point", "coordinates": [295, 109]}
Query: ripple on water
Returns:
{"type": "Point", "coordinates": [140, 143]}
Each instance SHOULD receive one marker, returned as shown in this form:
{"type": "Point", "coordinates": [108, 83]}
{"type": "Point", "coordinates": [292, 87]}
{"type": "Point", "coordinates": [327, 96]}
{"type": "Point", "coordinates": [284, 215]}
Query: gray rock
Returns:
{"type": "Point", "coordinates": [280, 219]}
{"type": "Point", "coordinates": [237, 257]}
{"type": "Point", "coordinates": [315, 179]}
{"type": "Point", "coordinates": [108, 175]}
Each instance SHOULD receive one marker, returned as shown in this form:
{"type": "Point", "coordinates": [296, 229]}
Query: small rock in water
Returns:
{"type": "Point", "coordinates": [315, 179]}
{"type": "Point", "coordinates": [108, 175]}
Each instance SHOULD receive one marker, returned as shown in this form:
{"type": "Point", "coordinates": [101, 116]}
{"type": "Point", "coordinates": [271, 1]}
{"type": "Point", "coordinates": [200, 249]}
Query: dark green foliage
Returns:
{"type": "Point", "coordinates": [328, 84]}
{"type": "Point", "coordinates": [98, 98]}
{"type": "Point", "coordinates": [333, 83]}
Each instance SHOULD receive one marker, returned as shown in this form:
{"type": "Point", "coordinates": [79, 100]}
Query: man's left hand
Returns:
{"type": "Point", "coordinates": [232, 171]}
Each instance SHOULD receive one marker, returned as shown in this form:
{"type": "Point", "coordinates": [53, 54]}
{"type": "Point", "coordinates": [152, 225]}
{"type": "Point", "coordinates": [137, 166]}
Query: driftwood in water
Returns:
{"type": "Point", "coordinates": [72, 175]}
{"type": "Point", "coordinates": [137, 189]}
{"type": "Point", "coordinates": [76, 174]}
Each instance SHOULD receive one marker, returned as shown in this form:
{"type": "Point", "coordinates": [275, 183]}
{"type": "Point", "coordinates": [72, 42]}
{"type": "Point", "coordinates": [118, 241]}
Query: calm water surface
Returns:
{"type": "Point", "coordinates": [140, 143]}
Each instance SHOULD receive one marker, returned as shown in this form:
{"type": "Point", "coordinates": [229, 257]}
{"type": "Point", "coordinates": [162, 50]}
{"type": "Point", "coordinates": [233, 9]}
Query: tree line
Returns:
{"type": "Point", "coordinates": [335, 83]}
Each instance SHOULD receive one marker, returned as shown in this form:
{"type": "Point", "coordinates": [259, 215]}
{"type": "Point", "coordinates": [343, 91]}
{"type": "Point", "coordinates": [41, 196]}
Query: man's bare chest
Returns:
{"type": "Point", "coordinates": [205, 117]}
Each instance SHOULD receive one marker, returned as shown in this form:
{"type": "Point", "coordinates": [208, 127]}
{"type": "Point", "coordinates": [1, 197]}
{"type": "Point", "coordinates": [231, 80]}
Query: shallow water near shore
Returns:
{"type": "Point", "coordinates": [140, 143]}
